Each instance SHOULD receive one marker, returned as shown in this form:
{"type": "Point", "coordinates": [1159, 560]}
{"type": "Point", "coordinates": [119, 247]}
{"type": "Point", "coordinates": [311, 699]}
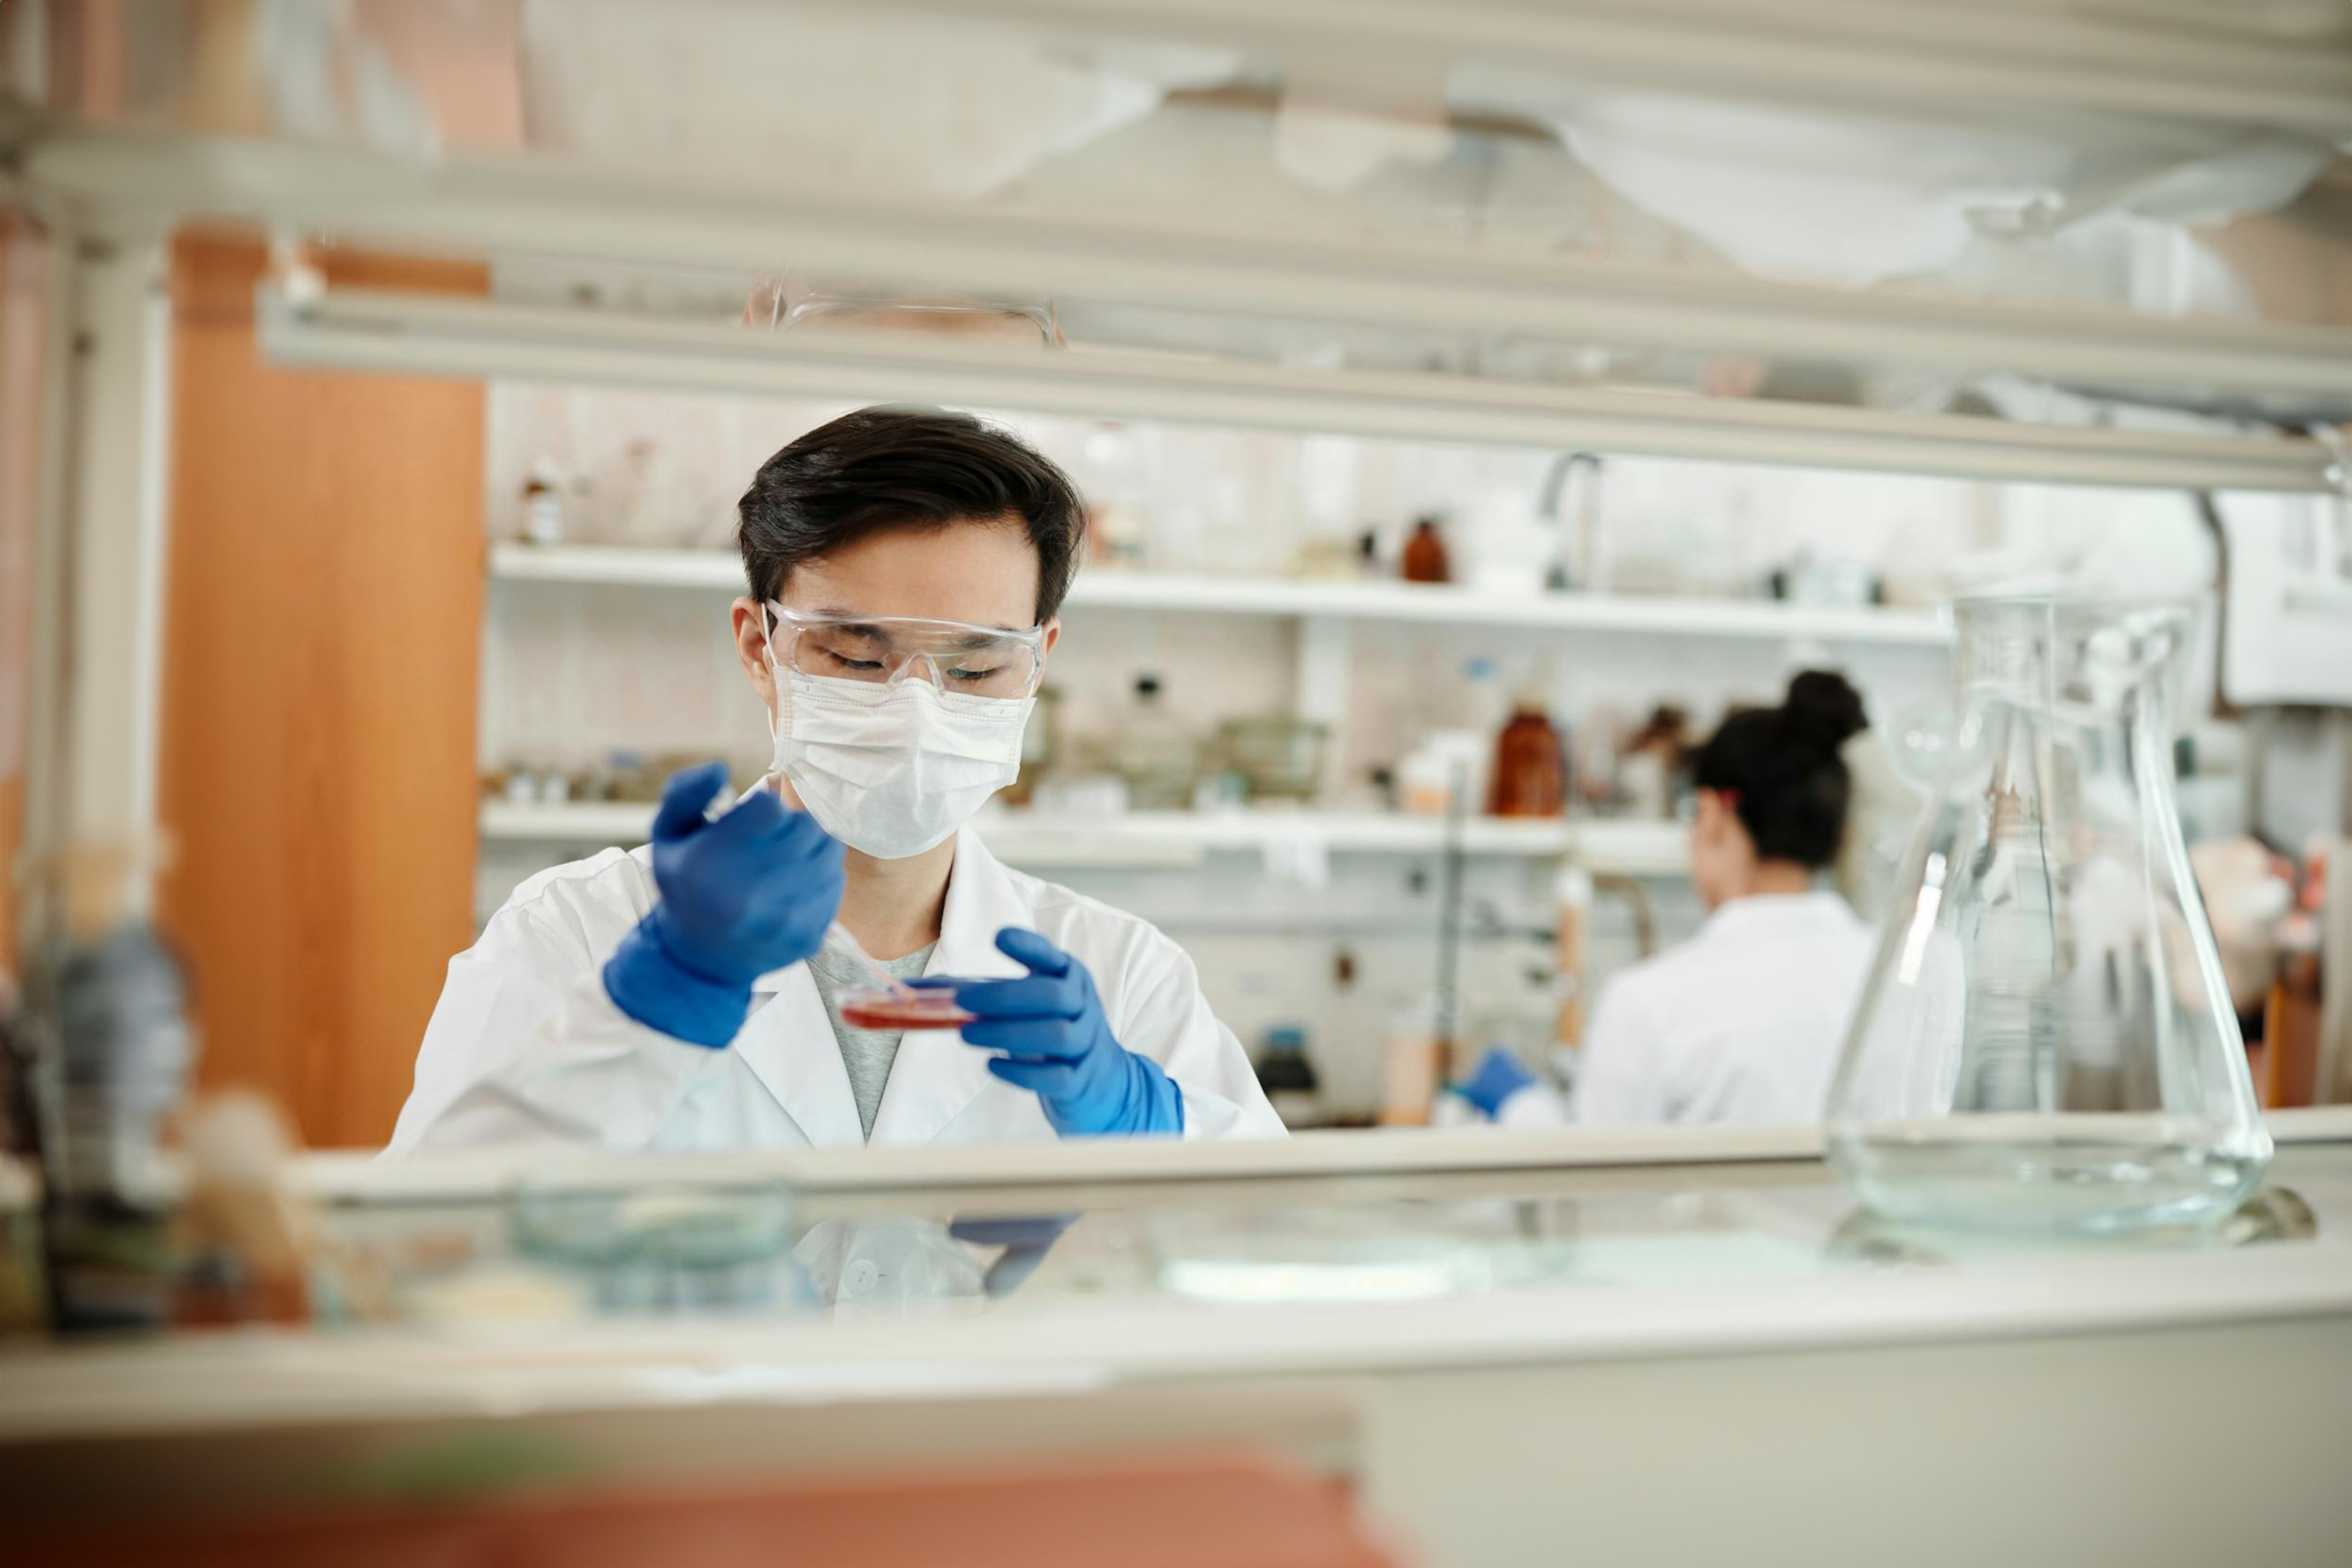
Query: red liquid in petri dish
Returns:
{"type": "Point", "coordinates": [885, 1010]}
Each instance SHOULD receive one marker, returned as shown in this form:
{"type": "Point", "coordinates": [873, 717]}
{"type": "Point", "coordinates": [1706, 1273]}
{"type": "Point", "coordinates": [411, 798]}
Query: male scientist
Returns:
{"type": "Point", "coordinates": [906, 568]}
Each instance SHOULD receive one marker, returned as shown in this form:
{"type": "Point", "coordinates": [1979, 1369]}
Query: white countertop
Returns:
{"type": "Point", "coordinates": [1756, 1282]}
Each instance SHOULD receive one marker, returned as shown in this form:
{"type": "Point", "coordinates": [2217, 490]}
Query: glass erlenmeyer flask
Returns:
{"type": "Point", "coordinates": [2045, 1041]}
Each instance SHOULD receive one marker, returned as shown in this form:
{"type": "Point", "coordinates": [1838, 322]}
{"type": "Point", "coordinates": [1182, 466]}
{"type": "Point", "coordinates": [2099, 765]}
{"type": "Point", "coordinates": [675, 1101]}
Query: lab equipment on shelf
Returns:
{"type": "Point", "coordinates": [1652, 777]}
{"type": "Point", "coordinates": [1157, 755]}
{"type": "Point", "coordinates": [1483, 707]}
{"type": "Point", "coordinates": [1041, 747]}
{"type": "Point", "coordinates": [1512, 550]}
{"type": "Point", "coordinates": [1529, 776]}
{"type": "Point", "coordinates": [1448, 764]}
{"type": "Point", "coordinates": [1572, 902]}
{"type": "Point", "coordinates": [2046, 1041]}
{"type": "Point", "coordinates": [1277, 758]}
{"type": "Point", "coordinates": [542, 504]}
{"type": "Point", "coordinates": [1114, 475]}
{"type": "Point", "coordinates": [1327, 559]}
{"type": "Point", "coordinates": [1824, 584]}
{"type": "Point", "coordinates": [624, 777]}
{"type": "Point", "coordinates": [1414, 1064]}
{"type": "Point", "coordinates": [1118, 537]}
{"type": "Point", "coordinates": [1425, 559]}
{"type": "Point", "coordinates": [1288, 1078]}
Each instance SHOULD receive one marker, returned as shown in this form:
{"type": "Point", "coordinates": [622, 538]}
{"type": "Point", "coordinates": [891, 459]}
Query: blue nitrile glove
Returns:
{"type": "Point", "coordinates": [750, 892]}
{"type": "Point", "coordinates": [1058, 1043]}
{"type": "Point", "coordinates": [1499, 1076]}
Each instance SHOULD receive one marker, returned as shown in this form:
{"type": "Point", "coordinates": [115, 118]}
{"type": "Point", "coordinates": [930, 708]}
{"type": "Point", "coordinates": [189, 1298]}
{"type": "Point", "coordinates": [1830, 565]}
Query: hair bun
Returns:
{"type": "Point", "coordinates": [1824, 708]}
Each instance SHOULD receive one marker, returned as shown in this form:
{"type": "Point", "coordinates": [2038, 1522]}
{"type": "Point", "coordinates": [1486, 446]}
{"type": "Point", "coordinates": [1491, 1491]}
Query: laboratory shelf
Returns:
{"type": "Point", "coordinates": [626, 565]}
{"type": "Point", "coordinates": [1203, 593]}
{"type": "Point", "coordinates": [571, 822]}
{"type": "Point", "coordinates": [1143, 839]}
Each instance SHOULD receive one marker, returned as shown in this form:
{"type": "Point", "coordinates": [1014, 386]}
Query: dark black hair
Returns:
{"type": "Point", "coordinates": [886, 467]}
{"type": "Point", "coordinates": [1783, 768]}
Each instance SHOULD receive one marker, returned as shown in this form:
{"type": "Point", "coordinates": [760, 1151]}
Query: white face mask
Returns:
{"type": "Point", "coordinates": [892, 770]}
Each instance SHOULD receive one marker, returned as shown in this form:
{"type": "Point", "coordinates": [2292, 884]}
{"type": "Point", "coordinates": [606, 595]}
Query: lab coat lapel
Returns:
{"type": "Point", "coordinates": [788, 1044]}
{"type": "Point", "coordinates": [936, 1075]}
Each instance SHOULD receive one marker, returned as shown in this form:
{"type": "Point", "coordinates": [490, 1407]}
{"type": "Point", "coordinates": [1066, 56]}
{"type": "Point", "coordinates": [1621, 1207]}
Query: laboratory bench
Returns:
{"type": "Point", "coordinates": [1669, 1345]}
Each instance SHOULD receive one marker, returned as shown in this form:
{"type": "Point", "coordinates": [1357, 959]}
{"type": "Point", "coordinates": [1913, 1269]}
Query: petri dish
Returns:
{"type": "Point", "coordinates": [873, 1007]}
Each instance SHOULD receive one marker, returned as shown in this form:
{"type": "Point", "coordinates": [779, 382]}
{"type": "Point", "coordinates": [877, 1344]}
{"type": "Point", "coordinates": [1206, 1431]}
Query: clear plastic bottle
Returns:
{"type": "Point", "coordinates": [2045, 1042]}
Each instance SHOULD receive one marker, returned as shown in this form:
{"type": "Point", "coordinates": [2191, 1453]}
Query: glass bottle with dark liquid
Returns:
{"type": "Point", "coordinates": [1425, 559]}
{"type": "Point", "coordinates": [1529, 777]}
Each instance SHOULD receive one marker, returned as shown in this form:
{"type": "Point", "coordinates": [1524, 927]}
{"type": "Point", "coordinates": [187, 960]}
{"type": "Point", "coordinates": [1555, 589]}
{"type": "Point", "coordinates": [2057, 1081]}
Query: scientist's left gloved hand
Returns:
{"type": "Point", "coordinates": [1058, 1043]}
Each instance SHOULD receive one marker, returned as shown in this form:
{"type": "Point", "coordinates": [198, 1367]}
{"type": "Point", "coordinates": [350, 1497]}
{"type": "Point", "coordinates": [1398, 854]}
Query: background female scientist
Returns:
{"type": "Point", "coordinates": [1744, 1021]}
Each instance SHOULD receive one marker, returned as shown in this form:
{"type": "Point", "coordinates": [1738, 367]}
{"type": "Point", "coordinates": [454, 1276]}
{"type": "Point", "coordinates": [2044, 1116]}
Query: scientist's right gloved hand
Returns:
{"type": "Point", "coordinates": [750, 892]}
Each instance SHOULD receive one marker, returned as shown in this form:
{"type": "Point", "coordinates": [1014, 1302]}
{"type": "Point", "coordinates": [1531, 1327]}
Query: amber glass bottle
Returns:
{"type": "Point", "coordinates": [1424, 554]}
{"type": "Point", "coordinates": [1529, 777]}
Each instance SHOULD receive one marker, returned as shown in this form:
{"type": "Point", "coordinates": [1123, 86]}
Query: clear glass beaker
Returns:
{"type": "Point", "coordinates": [2045, 1041]}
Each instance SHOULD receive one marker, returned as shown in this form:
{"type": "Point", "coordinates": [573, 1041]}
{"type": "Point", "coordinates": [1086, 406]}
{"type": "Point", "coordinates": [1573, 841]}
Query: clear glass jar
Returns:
{"type": "Point", "coordinates": [1158, 755]}
{"type": "Point", "coordinates": [2045, 1041]}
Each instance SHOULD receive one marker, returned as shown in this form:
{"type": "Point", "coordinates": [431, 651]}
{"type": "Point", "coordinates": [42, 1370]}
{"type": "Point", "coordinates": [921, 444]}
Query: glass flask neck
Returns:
{"type": "Point", "coordinates": [2086, 662]}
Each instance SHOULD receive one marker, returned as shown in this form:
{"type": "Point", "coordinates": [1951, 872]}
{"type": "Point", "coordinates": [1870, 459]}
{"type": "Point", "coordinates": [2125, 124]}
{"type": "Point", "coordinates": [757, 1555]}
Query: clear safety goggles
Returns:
{"type": "Point", "coordinates": [881, 650]}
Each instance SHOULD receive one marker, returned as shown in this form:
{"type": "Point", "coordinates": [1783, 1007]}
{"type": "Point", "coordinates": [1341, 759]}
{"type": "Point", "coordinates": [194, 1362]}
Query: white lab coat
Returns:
{"type": "Point", "coordinates": [1742, 1023]}
{"type": "Point", "coordinates": [525, 1045]}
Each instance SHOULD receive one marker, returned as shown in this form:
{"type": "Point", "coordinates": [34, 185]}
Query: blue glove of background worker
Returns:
{"type": "Point", "coordinates": [1058, 1043]}
{"type": "Point", "coordinates": [747, 893]}
{"type": "Point", "coordinates": [1499, 1076]}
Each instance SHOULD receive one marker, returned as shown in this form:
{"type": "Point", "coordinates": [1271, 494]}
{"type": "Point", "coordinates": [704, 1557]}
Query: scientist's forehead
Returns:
{"type": "Point", "coordinates": [983, 575]}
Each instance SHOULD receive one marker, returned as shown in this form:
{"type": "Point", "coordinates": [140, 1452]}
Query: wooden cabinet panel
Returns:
{"type": "Point", "coordinates": [323, 633]}
{"type": "Point", "coordinates": [23, 323]}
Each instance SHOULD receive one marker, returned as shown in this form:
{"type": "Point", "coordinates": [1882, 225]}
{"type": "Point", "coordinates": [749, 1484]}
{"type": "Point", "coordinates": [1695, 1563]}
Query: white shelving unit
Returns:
{"type": "Point", "coordinates": [1147, 839]}
{"type": "Point", "coordinates": [1196, 594]}
{"type": "Point", "coordinates": [1325, 610]}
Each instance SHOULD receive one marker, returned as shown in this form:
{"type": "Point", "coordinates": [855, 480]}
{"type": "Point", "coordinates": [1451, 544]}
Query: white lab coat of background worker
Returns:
{"type": "Point", "coordinates": [906, 568]}
{"type": "Point", "coordinates": [1744, 1021]}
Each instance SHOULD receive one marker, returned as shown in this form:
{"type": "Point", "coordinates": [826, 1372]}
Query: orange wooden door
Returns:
{"type": "Point", "coordinates": [322, 639]}
{"type": "Point", "coordinates": [22, 267]}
